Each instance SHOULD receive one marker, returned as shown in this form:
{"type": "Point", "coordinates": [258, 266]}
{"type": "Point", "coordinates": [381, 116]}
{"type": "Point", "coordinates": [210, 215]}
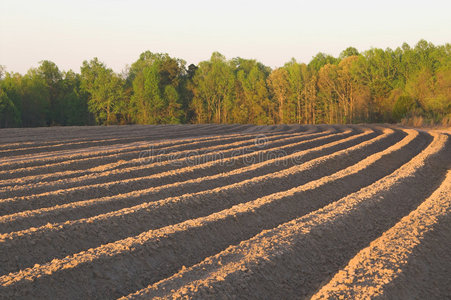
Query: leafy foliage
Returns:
{"type": "Point", "coordinates": [371, 86]}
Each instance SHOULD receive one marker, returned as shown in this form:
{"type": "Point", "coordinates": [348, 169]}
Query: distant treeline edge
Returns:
{"type": "Point", "coordinates": [408, 85]}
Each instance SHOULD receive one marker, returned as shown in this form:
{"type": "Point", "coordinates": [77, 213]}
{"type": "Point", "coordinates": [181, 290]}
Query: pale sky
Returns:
{"type": "Point", "coordinates": [68, 32]}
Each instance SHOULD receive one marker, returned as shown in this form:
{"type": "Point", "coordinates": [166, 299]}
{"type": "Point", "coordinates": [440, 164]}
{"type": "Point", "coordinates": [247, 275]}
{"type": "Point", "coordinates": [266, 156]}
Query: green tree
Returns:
{"type": "Point", "coordinates": [157, 82]}
{"type": "Point", "coordinates": [74, 101]}
{"type": "Point", "coordinates": [403, 106]}
{"type": "Point", "coordinates": [278, 82]}
{"type": "Point", "coordinates": [212, 87]}
{"type": "Point", "coordinates": [52, 78]}
{"type": "Point", "coordinates": [105, 90]}
{"type": "Point", "coordinates": [11, 87]}
{"type": "Point", "coordinates": [35, 99]}
{"type": "Point", "coordinates": [297, 103]}
{"type": "Point", "coordinates": [173, 113]}
{"type": "Point", "coordinates": [251, 103]}
{"type": "Point", "coordinates": [320, 60]}
{"type": "Point", "coordinates": [378, 70]}
{"type": "Point", "coordinates": [9, 114]}
{"type": "Point", "coordinates": [350, 51]}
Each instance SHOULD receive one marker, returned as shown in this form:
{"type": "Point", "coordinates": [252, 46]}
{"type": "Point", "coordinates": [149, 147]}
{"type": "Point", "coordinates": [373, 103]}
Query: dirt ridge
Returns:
{"type": "Point", "coordinates": [354, 211]}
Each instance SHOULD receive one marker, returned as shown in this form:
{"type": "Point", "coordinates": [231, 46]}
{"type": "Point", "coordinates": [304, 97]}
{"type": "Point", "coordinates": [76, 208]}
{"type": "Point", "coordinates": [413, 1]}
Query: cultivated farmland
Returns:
{"type": "Point", "coordinates": [225, 211]}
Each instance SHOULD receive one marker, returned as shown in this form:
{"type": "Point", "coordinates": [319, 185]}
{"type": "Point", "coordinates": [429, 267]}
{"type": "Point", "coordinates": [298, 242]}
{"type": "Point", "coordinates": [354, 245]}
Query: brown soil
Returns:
{"type": "Point", "coordinates": [354, 211]}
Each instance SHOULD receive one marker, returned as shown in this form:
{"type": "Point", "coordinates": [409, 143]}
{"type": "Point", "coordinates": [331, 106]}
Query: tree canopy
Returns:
{"type": "Point", "coordinates": [375, 85]}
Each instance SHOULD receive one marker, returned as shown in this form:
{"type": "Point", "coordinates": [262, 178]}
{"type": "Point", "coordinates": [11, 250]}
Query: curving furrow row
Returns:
{"type": "Point", "coordinates": [161, 173]}
{"type": "Point", "coordinates": [294, 258]}
{"type": "Point", "coordinates": [22, 163]}
{"type": "Point", "coordinates": [147, 159]}
{"type": "Point", "coordinates": [160, 189]}
{"type": "Point", "coordinates": [278, 221]}
{"type": "Point", "coordinates": [99, 160]}
{"type": "Point", "coordinates": [31, 149]}
{"type": "Point", "coordinates": [128, 135]}
{"type": "Point", "coordinates": [175, 209]}
{"type": "Point", "coordinates": [394, 264]}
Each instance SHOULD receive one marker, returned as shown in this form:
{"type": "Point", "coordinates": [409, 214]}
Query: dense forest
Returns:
{"type": "Point", "coordinates": [409, 85]}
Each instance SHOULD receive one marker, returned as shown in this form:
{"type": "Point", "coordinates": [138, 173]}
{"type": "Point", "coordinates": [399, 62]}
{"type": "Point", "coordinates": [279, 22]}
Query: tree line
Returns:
{"type": "Point", "coordinates": [408, 84]}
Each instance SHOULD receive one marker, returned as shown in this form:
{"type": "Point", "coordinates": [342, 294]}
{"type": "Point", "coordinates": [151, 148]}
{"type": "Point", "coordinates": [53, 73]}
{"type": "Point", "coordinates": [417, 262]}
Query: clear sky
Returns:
{"type": "Point", "coordinates": [68, 32]}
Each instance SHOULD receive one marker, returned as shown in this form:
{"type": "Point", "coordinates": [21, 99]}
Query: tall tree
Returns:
{"type": "Point", "coordinates": [35, 100]}
{"type": "Point", "coordinates": [350, 51]}
{"type": "Point", "coordinates": [278, 82]}
{"type": "Point", "coordinates": [9, 114]}
{"type": "Point", "coordinates": [157, 83]}
{"type": "Point", "coordinates": [212, 87]}
{"type": "Point", "coordinates": [74, 101]}
{"type": "Point", "coordinates": [320, 60]}
{"type": "Point", "coordinates": [52, 77]}
{"type": "Point", "coordinates": [12, 98]}
{"type": "Point", "coordinates": [105, 91]}
{"type": "Point", "coordinates": [251, 101]}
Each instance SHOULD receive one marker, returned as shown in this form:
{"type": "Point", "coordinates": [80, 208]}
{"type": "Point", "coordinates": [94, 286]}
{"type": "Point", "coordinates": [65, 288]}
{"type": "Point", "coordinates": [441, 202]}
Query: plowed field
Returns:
{"type": "Point", "coordinates": [225, 211]}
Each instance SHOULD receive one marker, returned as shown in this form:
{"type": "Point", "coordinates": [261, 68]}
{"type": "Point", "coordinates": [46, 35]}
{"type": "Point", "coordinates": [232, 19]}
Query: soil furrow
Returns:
{"type": "Point", "coordinates": [91, 207]}
{"type": "Point", "coordinates": [292, 260]}
{"type": "Point", "coordinates": [156, 253]}
{"type": "Point", "coordinates": [107, 151]}
{"type": "Point", "coordinates": [156, 178]}
{"type": "Point", "coordinates": [88, 160]}
{"type": "Point", "coordinates": [134, 157]}
{"type": "Point", "coordinates": [40, 159]}
{"type": "Point", "coordinates": [323, 211]}
{"type": "Point", "coordinates": [41, 135]}
{"type": "Point", "coordinates": [61, 146]}
{"type": "Point", "coordinates": [373, 272]}
{"type": "Point", "coordinates": [72, 237]}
